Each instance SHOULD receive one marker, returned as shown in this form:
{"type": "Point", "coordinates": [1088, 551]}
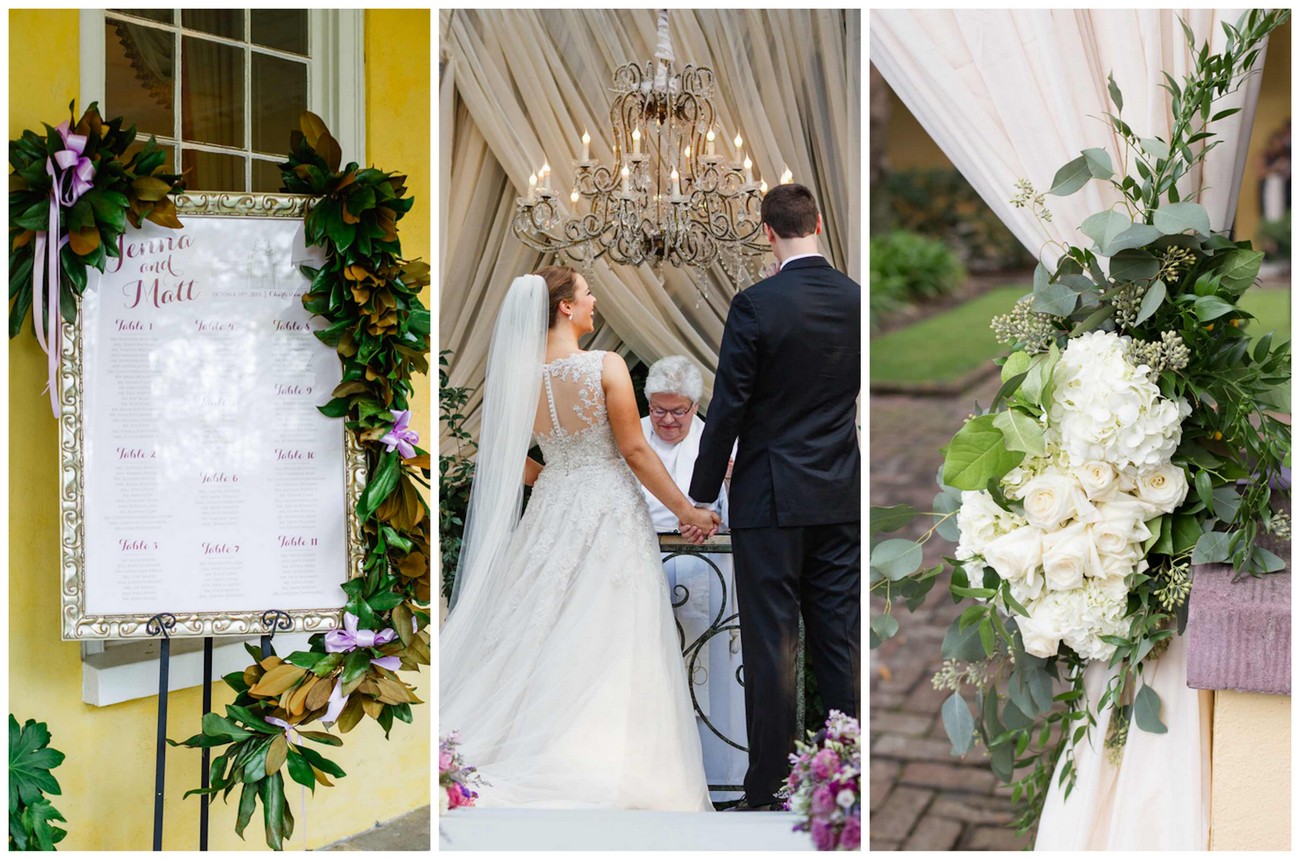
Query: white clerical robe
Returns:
{"type": "Point", "coordinates": [719, 695]}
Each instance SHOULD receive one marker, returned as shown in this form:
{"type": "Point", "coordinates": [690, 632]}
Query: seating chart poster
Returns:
{"type": "Point", "coordinates": [212, 484]}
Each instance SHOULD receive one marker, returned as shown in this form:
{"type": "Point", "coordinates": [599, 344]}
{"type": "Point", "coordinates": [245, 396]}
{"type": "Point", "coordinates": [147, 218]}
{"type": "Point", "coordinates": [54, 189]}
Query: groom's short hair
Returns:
{"type": "Point", "coordinates": [790, 211]}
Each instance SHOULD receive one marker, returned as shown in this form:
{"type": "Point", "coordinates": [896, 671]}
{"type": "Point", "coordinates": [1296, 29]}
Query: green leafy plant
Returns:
{"type": "Point", "coordinates": [455, 472]}
{"type": "Point", "coordinates": [940, 204]}
{"type": "Point", "coordinates": [369, 297]}
{"type": "Point", "coordinates": [126, 190]}
{"type": "Point", "coordinates": [1172, 287]}
{"type": "Point", "coordinates": [31, 760]}
{"type": "Point", "coordinates": [907, 268]}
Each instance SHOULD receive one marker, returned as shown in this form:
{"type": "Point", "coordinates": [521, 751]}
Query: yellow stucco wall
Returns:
{"type": "Point", "coordinates": [1251, 773]}
{"type": "Point", "coordinates": [107, 778]}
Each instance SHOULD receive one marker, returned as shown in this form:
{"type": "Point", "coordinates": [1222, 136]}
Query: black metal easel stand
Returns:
{"type": "Point", "coordinates": [161, 625]}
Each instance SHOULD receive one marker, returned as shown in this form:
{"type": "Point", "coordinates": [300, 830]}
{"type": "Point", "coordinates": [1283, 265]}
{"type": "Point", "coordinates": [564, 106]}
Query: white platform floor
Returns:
{"type": "Point", "coordinates": [470, 829]}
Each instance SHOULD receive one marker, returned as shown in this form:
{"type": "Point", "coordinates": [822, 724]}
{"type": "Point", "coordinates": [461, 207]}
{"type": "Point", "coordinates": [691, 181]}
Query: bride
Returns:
{"type": "Point", "coordinates": [559, 662]}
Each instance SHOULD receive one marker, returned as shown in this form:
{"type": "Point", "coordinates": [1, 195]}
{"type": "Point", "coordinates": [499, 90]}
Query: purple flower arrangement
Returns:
{"type": "Point", "coordinates": [454, 776]}
{"type": "Point", "coordinates": [824, 785]}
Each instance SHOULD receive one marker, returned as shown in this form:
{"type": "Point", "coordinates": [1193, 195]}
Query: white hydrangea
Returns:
{"type": "Point", "coordinates": [981, 521]}
{"type": "Point", "coordinates": [1096, 609]}
{"type": "Point", "coordinates": [1105, 409]}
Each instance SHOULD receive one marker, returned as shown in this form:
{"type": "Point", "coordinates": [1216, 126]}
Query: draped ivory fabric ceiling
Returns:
{"type": "Point", "coordinates": [1016, 94]}
{"type": "Point", "coordinates": [519, 88]}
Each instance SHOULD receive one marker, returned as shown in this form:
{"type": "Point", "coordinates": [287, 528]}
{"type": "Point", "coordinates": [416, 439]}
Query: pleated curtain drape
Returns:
{"type": "Point", "coordinates": [1015, 94]}
{"type": "Point", "coordinates": [518, 88]}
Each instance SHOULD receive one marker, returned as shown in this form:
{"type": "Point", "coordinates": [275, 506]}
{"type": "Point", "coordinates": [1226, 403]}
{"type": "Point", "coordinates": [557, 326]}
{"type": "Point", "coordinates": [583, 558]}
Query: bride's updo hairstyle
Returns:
{"type": "Point", "coordinates": [562, 284]}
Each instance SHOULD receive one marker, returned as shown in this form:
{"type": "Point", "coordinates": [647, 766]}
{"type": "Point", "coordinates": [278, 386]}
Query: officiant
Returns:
{"type": "Point", "coordinates": [673, 388]}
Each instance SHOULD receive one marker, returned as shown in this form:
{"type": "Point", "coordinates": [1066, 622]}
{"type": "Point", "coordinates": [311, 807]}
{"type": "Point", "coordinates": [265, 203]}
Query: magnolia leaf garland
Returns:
{"type": "Point", "coordinates": [369, 298]}
{"type": "Point", "coordinates": [125, 190]}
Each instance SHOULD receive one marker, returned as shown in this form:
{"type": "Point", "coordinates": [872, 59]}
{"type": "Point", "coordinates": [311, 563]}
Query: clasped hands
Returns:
{"type": "Point", "coordinates": [699, 525]}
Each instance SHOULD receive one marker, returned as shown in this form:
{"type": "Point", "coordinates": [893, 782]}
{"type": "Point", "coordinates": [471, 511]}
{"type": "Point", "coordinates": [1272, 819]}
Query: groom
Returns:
{"type": "Point", "coordinates": [788, 378]}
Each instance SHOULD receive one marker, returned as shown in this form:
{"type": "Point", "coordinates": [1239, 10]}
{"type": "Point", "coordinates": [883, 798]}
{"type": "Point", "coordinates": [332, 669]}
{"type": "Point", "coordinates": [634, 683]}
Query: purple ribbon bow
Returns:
{"type": "Point", "coordinates": [401, 437]}
{"type": "Point", "coordinates": [290, 733]}
{"type": "Point", "coordinates": [73, 177]}
{"type": "Point", "coordinates": [349, 638]}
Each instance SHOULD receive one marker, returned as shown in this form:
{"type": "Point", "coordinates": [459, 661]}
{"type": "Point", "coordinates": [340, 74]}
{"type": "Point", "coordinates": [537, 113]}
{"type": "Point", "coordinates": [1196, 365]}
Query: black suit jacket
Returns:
{"type": "Point", "coordinates": [788, 377]}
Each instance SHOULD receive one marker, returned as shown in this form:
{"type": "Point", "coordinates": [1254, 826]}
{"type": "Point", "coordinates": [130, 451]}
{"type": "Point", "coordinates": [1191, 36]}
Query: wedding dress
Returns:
{"type": "Point", "coordinates": [563, 673]}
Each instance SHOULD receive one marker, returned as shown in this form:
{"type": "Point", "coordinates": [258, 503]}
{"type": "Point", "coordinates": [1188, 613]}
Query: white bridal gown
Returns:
{"type": "Point", "coordinates": [1158, 797]}
{"type": "Point", "coordinates": [572, 693]}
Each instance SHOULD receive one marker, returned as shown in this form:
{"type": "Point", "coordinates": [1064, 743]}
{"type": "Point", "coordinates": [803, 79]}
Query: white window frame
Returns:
{"type": "Point", "coordinates": [335, 77]}
{"type": "Point", "coordinates": [119, 671]}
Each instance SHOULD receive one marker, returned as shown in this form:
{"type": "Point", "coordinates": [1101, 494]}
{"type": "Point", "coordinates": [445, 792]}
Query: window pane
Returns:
{"type": "Point", "coordinates": [282, 29]}
{"type": "Point", "coordinates": [139, 76]}
{"type": "Point", "coordinates": [212, 93]}
{"type": "Point", "coordinates": [161, 15]}
{"type": "Point", "coordinates": [279, 97]}
{"type": "Point", "coordinates": [218, 22]}
{"type": "Point", "coordinates": [210, 171]}
{"type": "Point", "coordinates": [266, 176]}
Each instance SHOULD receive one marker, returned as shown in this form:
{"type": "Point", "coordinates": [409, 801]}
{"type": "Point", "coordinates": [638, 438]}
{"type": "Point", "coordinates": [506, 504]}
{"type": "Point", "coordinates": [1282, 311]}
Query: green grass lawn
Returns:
{"type": "Point", "coordinates": [951, 344]}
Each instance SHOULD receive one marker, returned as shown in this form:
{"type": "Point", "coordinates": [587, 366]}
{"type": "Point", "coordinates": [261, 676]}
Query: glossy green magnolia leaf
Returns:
{"type": "Point", "coordinates": [1239, 268]}
{"type": "Point", "coordinates": [978, 454]}
{"type": "Point", "coordinates": [1209, 308]}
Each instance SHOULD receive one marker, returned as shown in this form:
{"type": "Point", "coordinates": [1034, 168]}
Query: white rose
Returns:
{"type": "Point", "coordinates": [1016, 555]}
{"type": "Point", "coordinates": [1049, 500]}
{"type": "Point", "coordinates": [1116, 566]}
{"type": "Point", "coordinates": [1122, 523]}
{"type": "Point", "coordinates": [1041, 630]}
{"type": "Point", "coordinates": [1097, 478]}
{"type": "Point", "coordinates": [1164, 487]}
{"type": "Point", "coordinates": [1068, 556]}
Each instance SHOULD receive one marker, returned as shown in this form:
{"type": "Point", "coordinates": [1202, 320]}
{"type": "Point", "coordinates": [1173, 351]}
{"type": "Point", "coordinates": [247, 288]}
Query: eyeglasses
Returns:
{"type": "Point", "coordinates": [676, 413]}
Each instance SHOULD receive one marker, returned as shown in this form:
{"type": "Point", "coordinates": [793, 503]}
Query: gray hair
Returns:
{"type": "Point", "coordinates": [675, 374]}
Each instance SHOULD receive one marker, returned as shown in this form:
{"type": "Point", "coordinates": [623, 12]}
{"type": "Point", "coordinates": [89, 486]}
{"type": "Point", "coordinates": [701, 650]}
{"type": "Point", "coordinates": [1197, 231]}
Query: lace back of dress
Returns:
{"type": "Point", "coordinates": [572, 397]}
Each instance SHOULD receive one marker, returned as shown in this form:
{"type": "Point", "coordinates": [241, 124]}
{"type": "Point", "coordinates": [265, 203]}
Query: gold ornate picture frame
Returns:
{"type": "Point", "coordinates": [76, 622]}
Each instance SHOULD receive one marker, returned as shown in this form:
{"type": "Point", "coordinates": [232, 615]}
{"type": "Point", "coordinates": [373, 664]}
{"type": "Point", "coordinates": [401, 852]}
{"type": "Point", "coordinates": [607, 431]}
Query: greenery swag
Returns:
{"type": "Point", "coordinates": [1172, 287]}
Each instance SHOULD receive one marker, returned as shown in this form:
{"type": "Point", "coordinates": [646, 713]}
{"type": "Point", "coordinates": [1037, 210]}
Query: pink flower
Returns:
{"type": "Point", "coordinates": [444, 761]}
{"type": "Point", "coordinates": [825, 764]}
{"type": "Point", "coordinates": [851, 835]}
{"type": "Point", "coordinates": [453, 797]}
{"type": "Point", "coordinates": [823, 800]}
{"type": "Point", "coordinates": [823, 835]}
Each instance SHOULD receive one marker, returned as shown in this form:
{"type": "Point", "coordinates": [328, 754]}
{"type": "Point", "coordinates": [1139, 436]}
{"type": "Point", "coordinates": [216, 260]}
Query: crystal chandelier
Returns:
{"type": "Point", "coordinates": [669, 195]}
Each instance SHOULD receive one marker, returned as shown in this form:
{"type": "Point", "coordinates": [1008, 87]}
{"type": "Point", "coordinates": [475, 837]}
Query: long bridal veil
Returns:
{"type": "Point", "coordinates": [510, 396]}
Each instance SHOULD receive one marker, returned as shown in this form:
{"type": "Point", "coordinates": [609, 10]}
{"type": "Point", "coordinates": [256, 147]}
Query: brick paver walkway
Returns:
{"type": "Point", "coordinates": [921, 797]}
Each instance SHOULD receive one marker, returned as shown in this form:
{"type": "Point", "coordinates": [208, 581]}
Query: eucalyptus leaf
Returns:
{"type": "Point", "coordinates": [896, 558]}
{"type": "Point", "coordinates": [1154, 147]}
{"type": "Point", "coordinates": [1071, 177]}
{"type": "Point", "coordinates": [1099, 163]}
{"type": "Point", "coordinates": [1104, 228]}
{"type": "Point", "coordinates": [1151, 301]}
{"type": "Point", "coordinates": [1211, 548]}
{"type": "Point", "coordinates": [1056, 300]}
{"type": "Point", "coordinates": [1136, 236]}
{"type": "Point", "coordinates": [884, 626]}
{"type": "Point", "coordinates": [1179, 217]}
{"type": "Point", "coordinates": [1133, 265]}
{"type": "Point", "coordinates": [959, 724]}
{"type": "Point", "coordinates": [892, 518]}
{"type": "Point", "coordinates": [1146, 711]}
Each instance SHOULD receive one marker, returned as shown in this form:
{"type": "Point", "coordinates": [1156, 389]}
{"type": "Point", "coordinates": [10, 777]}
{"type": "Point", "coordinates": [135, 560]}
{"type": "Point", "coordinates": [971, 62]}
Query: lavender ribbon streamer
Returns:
{"type": "Point", "coordinates": [349, 638]}
{"type": "Point", "coordinates": [73, 178]}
